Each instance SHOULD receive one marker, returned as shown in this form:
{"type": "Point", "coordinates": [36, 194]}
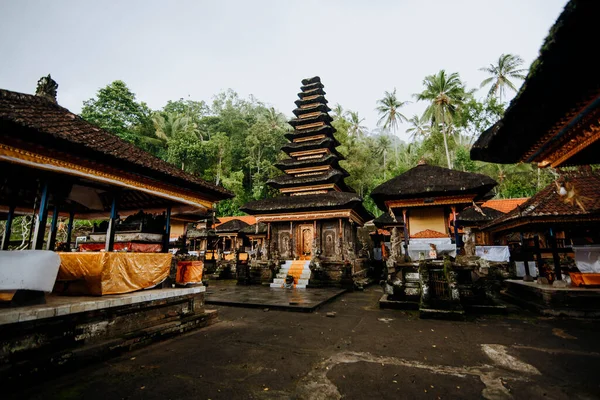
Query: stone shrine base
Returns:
{"type": "Point", "coordinates": [554, 301]}
{"type": "Point", "coordinates": [302, 300]}
{"type": "Point", "coordinates": [69, 331]}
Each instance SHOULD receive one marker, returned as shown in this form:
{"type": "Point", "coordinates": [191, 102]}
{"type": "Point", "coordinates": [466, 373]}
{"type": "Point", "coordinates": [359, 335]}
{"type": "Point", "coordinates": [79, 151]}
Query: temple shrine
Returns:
{"type": "Point", "coordinates": [313, 221]}
{"type": "Point", "coordinates": [423, 204]}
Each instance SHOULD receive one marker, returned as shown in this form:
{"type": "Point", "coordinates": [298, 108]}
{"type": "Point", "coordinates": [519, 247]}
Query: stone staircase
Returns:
{"type": "Point", "coordinates": [299, 269]}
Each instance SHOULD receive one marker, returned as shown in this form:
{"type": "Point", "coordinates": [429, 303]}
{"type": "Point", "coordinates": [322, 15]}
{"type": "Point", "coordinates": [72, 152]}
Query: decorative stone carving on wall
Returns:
{"type": "Point", "coordinates": [285, 245]}
{"type": "Point", "coordinates": [469, 242]}
{"type": "Point", "coordinates": [329, 248]}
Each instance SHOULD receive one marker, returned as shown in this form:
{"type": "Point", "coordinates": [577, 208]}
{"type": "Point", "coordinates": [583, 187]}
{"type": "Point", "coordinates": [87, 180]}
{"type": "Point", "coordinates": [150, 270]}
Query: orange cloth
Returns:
{"type": "Point", "coordinates": [130, 246]}
{"type": "Point", "coordinates": [189, 272]}
{"type": "Point", "coordinates": [100, 273]}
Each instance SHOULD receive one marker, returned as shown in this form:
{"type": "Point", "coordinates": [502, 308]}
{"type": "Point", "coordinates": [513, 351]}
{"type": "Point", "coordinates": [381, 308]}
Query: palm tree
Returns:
{"type": "Point", "coordinates": [388, 107]}
{"type": "Point", "coordinates": [419, 127]}
{"type": "Point", "coordinates": [381, 148]}
{"type": "Point", "coordinates": [445, 93]}
{"type": "Point", "coordinates": [355, 129]}
{"type": "Point", "coordinates": [338, 111]}
{"type": "Point", "coordinates": [507, 68]}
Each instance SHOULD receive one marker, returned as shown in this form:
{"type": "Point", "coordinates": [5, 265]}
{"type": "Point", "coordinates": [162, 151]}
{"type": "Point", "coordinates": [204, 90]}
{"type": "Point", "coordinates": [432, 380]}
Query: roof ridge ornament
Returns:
{"type": "Point", "coordinates": [46, 88]}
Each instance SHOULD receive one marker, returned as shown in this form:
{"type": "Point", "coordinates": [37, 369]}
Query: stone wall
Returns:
{"type": "Point", "coordinates": [41, 345]}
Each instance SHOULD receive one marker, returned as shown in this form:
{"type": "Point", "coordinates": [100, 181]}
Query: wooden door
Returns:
{"type": "Point", "coordinates": [305, 241]}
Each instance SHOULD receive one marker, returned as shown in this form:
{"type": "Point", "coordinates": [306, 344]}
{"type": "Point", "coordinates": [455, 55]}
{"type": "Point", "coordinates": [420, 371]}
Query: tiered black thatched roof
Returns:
{"type": "Point", "coordinates": [385, 220]}
{"type": "Point", "coordinates": [255, 229]}
{"type": "Point", "coordinates": [311, 143]}
{"type": "Point", "coordinates": [232, 226]}
{"type": "Point", "coordinates": [558, 101]}
{"type": "Point", "coordinates": [313, 163]}
{"type": "Point", "coordinates": [430, 181]}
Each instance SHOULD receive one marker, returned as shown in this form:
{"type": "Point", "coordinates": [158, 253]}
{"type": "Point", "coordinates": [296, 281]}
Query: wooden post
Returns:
{"type": "Point", "coordinates": [53, 227]}
{"type": "Point", "coordinates": [167, 236]}
{"type": "Point", "coordinates": [70, 228]}
{"type": "Point", "coordinates": [40, 223]}
{"type": "Point", "coordinates": [525, 254]}
{"type": "Point", "coordinates": [292, 241]}
{"type": "Point", "coordinates": [342, 238]}
{"type": "Point", "coordinates": [405, 219]}
{"type": "Point", "coordinates": [555, 257]}
{"type": "Point", "coordinates": [453, 208]}
{"type": "Point", "coordinates": [538, 254]}
{"type": "Point", "coordinates": [110, 232]}
{"type": "Point", "coordinates": [8, 228]}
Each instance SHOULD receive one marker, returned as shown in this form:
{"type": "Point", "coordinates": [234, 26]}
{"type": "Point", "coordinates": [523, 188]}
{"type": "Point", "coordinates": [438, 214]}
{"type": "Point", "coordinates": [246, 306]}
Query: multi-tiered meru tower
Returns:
{"type": "Point", "coordinates": [316, 215]}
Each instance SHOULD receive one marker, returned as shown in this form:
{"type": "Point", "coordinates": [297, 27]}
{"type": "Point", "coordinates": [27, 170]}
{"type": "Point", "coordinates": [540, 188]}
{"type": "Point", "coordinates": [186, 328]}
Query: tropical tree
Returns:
{"type": "Point", "coordinates": [389, 110]}
{"type": "Point", "coordinates": [116, 110]}
{"type": "Point", "coordinates": [419, 127]}
{"type": "Point", "coordinates": [382, 145]}
{"type": "Point", "coordinates": [507, 68]}
{"type": "Point", "coordinates": [167, 125]}
{"type": "Point", "coordinates": [355, 129]}
{"type": "Point", "coordinates": [445, 94]}
{"type": "Point", "coordinates": [338, 111]}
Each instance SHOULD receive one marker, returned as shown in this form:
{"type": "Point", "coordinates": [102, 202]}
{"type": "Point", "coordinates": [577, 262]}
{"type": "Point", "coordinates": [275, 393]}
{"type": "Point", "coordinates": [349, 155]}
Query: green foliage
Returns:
{"type": "Point", "coordinates": [235, 142]}
{"type": "Point", "coordinates": [501, 73]}
{"type": "Point", "coordinates": [116, 110]}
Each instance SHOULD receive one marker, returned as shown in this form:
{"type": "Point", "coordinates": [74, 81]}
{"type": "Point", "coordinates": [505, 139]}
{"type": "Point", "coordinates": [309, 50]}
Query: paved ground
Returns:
{"type": "Point", "coordinates": [257, 296]}
{"type": "Point", "coordinates": [363, 352]}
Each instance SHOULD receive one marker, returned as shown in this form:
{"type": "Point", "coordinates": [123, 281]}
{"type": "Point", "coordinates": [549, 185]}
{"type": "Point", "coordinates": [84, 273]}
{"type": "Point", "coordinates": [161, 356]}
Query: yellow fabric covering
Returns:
{"type": "Point", "coordinates": [100, 273]}
{"type": "Point", "coordinates": [189, 272]}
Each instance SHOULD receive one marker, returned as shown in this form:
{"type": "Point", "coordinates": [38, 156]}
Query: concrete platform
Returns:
{"type": "Point", "coordinates": [301, 300]}
{"type": "Point", "coordinates": [554, 301]}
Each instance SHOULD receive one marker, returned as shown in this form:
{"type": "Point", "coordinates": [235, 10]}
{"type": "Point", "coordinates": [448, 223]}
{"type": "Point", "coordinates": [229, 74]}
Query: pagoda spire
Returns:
{"type": "Point", "coordinates": [313, 163]}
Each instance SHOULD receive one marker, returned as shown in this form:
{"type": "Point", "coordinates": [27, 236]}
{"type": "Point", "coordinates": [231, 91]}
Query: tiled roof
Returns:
{"type": "Point", "coordinates": [58, 129]}
{"type": "Point", "coordinates": [429, 234]}
{"type": "Point", "coordinates": [505, 205]}
{"type": "Point", "coordinates": [549, 205]}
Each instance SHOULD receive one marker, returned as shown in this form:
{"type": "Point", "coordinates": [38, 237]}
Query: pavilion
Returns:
{"type": "Point", "coordinates": [54, 163]}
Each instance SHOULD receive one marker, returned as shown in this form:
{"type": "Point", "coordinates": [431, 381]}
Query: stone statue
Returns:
{"type": "Point", "coordinates": [263, 251]}
{"type": "Point", "coordinates": [46, 88]}
{"type": "Point", "coordinates": [396, 251]}
{"type": "Point", "coordinates": [469, 241]}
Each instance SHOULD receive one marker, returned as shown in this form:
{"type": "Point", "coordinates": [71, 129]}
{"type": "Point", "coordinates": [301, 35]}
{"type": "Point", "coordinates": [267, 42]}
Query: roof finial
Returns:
{"type": "Point", "coordinates": [46, 88]}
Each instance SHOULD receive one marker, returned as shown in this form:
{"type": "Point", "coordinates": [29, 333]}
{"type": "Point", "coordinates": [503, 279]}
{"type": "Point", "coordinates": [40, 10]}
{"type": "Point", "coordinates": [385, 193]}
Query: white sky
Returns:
{"type": "Point", "coordinates": [165, 50]}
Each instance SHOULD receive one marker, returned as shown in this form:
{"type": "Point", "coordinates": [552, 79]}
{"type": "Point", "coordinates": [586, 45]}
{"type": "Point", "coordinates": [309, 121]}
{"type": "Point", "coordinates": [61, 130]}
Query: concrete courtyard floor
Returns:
{"type": "Point", "coordinates": [361, 353]}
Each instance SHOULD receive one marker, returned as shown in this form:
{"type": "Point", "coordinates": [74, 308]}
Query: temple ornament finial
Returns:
{"type": "Point", "coordinates": [46, 88]}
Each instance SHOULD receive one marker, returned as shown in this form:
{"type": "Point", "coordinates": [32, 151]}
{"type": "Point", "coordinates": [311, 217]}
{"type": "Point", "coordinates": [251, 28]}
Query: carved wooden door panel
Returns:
{"type": "Point", "coordinates": [305, 240]}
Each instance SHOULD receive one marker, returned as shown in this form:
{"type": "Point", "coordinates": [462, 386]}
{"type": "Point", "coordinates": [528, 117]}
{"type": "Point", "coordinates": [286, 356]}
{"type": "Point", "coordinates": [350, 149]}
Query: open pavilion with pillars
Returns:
{"type": "Point", "coordinates": [54, 163]}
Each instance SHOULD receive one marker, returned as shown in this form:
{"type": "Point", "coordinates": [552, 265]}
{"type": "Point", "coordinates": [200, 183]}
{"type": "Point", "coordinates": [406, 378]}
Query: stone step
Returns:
{"type": "Point", "coordinates": [298, 286]}
{"type": "Point", "coordinates": [304, 275]}
{"type": "Point", "coordinates": [281, 281]}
